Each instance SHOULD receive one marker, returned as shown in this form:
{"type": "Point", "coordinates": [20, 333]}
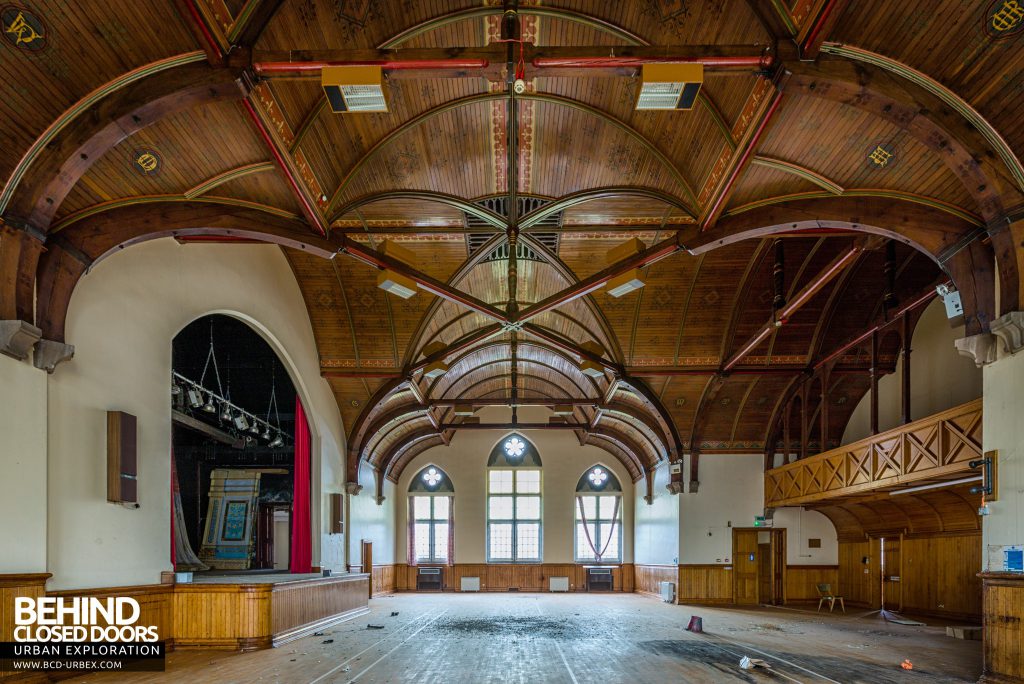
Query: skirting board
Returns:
{"type": "Point", "coordinates": [309, 628]}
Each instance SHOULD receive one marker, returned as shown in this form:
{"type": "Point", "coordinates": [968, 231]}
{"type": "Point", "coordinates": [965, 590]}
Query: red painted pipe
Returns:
{"type": "Point", "coordinates": [263, 68]}
{"type": "Point", "coordinates": [265, 134]}
{"type": "Point", "coordinates": [713, 214]}
{"type": "Point", "coordinates": [923, 299]}
{"type": "Point", "coordinates": [762, 61]}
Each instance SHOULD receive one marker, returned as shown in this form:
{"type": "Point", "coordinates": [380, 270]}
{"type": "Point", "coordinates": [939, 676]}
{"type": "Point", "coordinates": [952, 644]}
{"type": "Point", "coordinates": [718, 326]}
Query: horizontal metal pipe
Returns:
{"type": "Point", "coordinates": [762, 61]}
{"type": "Point", "coordinates": [266, 68]}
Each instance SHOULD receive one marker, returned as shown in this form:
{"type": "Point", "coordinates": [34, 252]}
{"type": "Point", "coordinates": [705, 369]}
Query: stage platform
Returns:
{"type": "Point", "coordinates": [249, 611]}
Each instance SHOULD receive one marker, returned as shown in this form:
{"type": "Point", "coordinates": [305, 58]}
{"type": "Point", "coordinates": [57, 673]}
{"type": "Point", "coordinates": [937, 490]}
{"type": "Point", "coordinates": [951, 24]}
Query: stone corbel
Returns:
{"type": "Point", "coordinates": [1010, 329]}
{"type": "Point", "coordinates": [674, 487]}
{"type": "Point", "coordinates": [693, 486]}
{"type": "Point", "coordinates": [50, 354]}
{"type": "Point", "coordinates": [979, 348]}
{"type": "Point", "coordinates": [648, 499]}
{"type": "Point", "coordinates": [353, 488]}
{"type": "Point", "coordinates": [17, 338]}
{"type": "Point", "coordinates": [380, 499]}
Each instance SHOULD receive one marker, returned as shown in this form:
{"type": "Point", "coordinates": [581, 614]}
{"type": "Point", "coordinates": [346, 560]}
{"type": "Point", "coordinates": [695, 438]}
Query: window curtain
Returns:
{"type": "Point", "coordinates": [301, 543]}
{"type": "Point", "coordinates": [174, 503]}
{"type": "Point", "coordinates": [451, 530]}
{"type": "Point", "coordinates": [590, 542]}
{"type": "Point", "coordinates": [411, 549]}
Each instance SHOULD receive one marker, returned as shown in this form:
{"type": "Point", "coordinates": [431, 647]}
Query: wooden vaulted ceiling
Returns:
{"type": "Point", "coordinates": [126, 120]}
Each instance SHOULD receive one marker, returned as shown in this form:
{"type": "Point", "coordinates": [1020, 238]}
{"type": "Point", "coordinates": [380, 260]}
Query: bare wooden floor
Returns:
{"type": "Point", "coordinates": [577, 638]}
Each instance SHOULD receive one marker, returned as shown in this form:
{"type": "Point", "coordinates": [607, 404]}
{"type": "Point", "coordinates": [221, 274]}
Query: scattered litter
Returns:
{"type": "Point", "coordinates": [748, 663]}
{"type": "Point", "coordinates": [904, 621]}
{"type": "Point", "coordinates": [346, 668]}
{"type": "Point", "coordinates": [327, 641]}
{"type": "Point", "coordinates": [907, 665]}
{"type": "Point", "coordinates": [374, 626]}
{"type": "Point", "coordinates": [394, 613]}
{"type": "Point", "coordinates": [696, 625]}
{"type": "Point", "coordinates": [293, 660]}
{"type": "Point", "coordinates": [318, 633]}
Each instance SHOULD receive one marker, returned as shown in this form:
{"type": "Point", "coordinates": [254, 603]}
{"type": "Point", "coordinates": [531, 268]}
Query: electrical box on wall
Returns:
{"type": "Point", "coordinates": [122, 458]}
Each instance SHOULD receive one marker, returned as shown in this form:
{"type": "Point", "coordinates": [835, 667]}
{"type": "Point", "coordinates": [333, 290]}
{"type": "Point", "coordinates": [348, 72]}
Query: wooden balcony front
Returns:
{"type": "Point", "coordinates": [931, 449]}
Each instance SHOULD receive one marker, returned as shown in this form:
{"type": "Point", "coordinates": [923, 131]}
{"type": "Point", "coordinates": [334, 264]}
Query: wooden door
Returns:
{"type": "Point", "coordinates": [764, 573]}
{"type": "Point", "coordinates": [892, 596]}
{"type": "Point", "coordinates": [367, 562]}
{"type": "Point", "coordinates": [778, 567]}
{"type": "Point", "coordinates": [744, 566]}
{"type": "Point", "coordinates": [264, 557]}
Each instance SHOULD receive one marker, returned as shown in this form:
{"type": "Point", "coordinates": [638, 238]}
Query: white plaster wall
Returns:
{"type": "Point", "coordinates": [371, 521]}
{"type": "Point", "coordinates": [731, 494]}
{"type": "Point", "coordinates": [122, 319]}
{"type": "Point", "coordinates": [564, 461]}
{"type": "Point", "coordinates": [939, 379]}
{"type": "Point", "coordinates": [1003, 430]}
{"type": "Point", "coordinates": [22, 467]}
{"type": "Point", "coordinates": [656, 530]}
{"type": "Point", "coordinates": [800, 525]}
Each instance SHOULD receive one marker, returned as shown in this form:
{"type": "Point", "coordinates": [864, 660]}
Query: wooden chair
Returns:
{"type": "Point", "coordinates": [825, 594]}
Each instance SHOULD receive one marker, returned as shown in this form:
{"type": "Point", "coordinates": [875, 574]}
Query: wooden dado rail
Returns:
{"type": "Point", "coordinates": [935, 447]}
{"type": "Point", "coordinates": [501, 576]}
{"type": "Point", "coordinates": [218, 616]}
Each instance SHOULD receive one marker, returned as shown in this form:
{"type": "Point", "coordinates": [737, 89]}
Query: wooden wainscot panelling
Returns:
{"type": "Point", "coordinates": [858, 581]}
{"type": "Point", "coordinates": [802, 581]}
{"type": "Point", "coordinates": [383, 579]}
{"type": "Point", "coordinates": [648, 578]}
{"type": "Point", "coordinates": [156, 607]}
{"type": "Point", "coordinates": [704, 584]}
{"type": "Point", "coordinates": [1003, 636]}
{"type": "Point", "coordinates": [514, 576]}
{"type": "Point", "coordinates": [12, 586]}
{"type": "Point", "coordinates": [940, 575]}
{"type": "Point", "coordinates": [303, 607]}
{"type": "Point", "coordinates": [222, 616]}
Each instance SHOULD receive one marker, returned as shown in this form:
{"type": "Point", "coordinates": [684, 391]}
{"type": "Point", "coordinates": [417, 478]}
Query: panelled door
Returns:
{"type": "Point", "coordinates": [744, 566]}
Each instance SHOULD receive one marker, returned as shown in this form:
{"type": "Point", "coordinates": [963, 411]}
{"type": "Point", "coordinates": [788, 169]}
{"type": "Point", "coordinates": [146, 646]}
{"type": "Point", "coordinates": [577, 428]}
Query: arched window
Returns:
{"type": "Point", "coordinates": [513, 502]}
{"type": "Point", "coordinates": [431, 528]}
{"type": "Point", "coordinates": [599, 516]}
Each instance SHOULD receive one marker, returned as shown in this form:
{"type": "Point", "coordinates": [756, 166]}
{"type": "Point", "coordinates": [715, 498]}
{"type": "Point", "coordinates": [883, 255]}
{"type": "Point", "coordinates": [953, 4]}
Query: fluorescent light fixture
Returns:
{"type": "Point", "coordinates": [588, 367]}
{"type": "Point", "coordinates": [629, 281]}
{"type": "Point", "coordinates": [396, 284]}
{"type": "Point", "coordinates": [464, 410]}
{"type": "Point", "coordinates": [354, 88]}
{"type": "Point", "coordinates": [936, 485]}
{"type": "Point", "coordinates": [435, 370]}
{"type": "Point", "coordinates": [562, 410]}
{"type": "Point", "coordinates": [670, 86]}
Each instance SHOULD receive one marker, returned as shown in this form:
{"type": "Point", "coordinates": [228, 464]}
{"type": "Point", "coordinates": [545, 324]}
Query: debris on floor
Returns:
{"type": "Point", "coordinates": [372, 626]}
{"type": "Point", "coordinates": [394, 613]}
{"type": "Point", "coordinates": [696, 624]}
{"type": "Point", "coordinates": [748, 663]}
{"type": "Point", "coordinates": [327, 641]}
{"type": "Point", "coordinates": [318, 633]}
{"type": "Point", "coordinates": [968, 633]}
{"type": "Point", "coordinates": [907, 665]}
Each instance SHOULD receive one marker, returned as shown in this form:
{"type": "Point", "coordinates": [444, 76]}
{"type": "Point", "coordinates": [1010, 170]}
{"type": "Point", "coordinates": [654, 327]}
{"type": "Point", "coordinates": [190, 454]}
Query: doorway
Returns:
{"type": "Point", "coordinates": [890, 563]}
{"type": "Point", "coordinates": [367, 562]}
{"type": "Point", "coordinates": [759, 566]}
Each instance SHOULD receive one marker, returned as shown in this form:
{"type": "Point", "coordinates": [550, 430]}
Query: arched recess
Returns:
{"type": "Point", "coordinates": [952, 243]}
{"type": "Point", "coordinates": [81, 245]}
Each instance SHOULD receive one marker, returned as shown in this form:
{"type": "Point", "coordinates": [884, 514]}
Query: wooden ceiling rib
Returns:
{"type": "Point", "coordinates": [928, 84]}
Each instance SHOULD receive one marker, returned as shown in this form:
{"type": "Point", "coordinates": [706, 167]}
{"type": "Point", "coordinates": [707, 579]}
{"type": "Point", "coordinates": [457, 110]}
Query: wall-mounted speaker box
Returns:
{"type": "Point", "coordinates": [337, 525]}
{"type": "Point", "coordinates": [122, 457]}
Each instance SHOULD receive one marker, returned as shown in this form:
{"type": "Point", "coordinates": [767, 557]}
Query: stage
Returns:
{"type": "Point", "coordinates": [249, 611]}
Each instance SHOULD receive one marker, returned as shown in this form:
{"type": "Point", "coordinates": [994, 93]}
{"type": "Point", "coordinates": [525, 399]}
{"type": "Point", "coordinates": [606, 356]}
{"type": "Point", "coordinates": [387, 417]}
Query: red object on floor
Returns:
{"type": "Point", "coordinates": [301, 546]}
{"type": "Point", "coordinates": [907, 665]}
{"type": "Point", "coordinates": [696, 625]}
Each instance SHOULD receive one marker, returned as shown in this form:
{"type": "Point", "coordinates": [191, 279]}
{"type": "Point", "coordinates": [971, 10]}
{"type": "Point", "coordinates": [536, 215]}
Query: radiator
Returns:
{"type": "Point", "coordinates": [558, 584]}
{"type": "Point", "coordinates": [668, 592]}
{"type": "Point", "coordinates": [470, 584]}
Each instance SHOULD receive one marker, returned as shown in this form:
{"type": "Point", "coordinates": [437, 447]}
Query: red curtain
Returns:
{"type": "Point", "coordinates": [301, 546]}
